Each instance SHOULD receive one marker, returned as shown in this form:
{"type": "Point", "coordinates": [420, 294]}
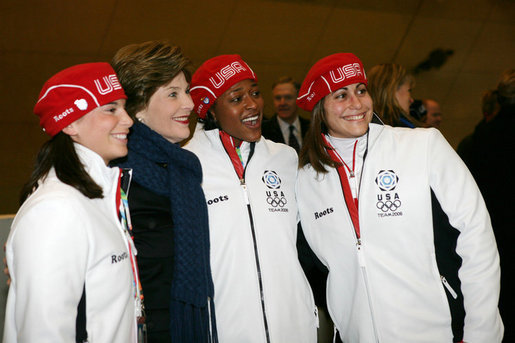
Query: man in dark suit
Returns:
{"type": "Point", "coordinates": [286, 126]}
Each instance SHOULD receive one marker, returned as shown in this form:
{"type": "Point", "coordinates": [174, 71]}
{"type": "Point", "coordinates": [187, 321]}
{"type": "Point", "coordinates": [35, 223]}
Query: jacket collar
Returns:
{"type": "Point", "coordinates": [104, 176]}
{"type": "Point", "coordinates": [374, 131]}
{"type": "Point", "coordinates": [213, 137]}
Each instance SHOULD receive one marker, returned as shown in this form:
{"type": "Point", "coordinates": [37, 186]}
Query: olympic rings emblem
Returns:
{"type": "Point", "coordinates": [276, 201]}
{"type": "Point", "coordinates": [388, 205]}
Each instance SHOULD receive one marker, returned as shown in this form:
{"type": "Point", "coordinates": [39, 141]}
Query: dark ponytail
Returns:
{"type": "Point", "coordinates": [209, 121]}
{"type": "Point", "coordinates": [60, 153]}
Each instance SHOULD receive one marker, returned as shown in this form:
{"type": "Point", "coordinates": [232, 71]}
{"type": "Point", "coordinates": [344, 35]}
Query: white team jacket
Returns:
{"type": "Point", "coordinates": [59, 241]}
{"type": "Point", "coordinates": [388, 288]}
{"type": "Point", "coordinates": [264, 232]}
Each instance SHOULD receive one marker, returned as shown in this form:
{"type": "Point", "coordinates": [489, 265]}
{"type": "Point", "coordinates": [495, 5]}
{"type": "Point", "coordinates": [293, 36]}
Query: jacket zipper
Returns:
{"type": "Point", "coordinates": [256, 256]}
{"type": "Point", "coordinates": [210, 320]}
{"type": "Point", "coordinates": [362, 265]}
{"type": "Point", "coordinates": [448, 286]}
{"type": "Point", "coordinates": [228, 149]}
{"type": "Point", "coordinates": [361, 259]}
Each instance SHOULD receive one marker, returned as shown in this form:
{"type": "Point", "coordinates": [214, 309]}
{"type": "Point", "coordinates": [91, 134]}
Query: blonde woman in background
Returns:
{"type": "Point", "coordinates": [390, 87]}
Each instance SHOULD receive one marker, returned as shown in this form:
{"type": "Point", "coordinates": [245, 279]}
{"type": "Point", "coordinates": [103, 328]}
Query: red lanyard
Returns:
{"type": "Point", "coordinates": [228, 144]}
{"type": "Point", "coordinates": [352, 203]}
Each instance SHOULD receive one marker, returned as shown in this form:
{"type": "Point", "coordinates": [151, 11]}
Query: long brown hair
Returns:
{"type": "Point", "coordinates": [313, 148]}
{"type": "Point", "coordinates": [60, 154]}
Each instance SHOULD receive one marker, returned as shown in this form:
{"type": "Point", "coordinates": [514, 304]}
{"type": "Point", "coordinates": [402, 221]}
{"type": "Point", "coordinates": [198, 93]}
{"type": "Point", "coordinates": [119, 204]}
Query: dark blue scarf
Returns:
{"type": "Point", "coordinates": [180, 181]}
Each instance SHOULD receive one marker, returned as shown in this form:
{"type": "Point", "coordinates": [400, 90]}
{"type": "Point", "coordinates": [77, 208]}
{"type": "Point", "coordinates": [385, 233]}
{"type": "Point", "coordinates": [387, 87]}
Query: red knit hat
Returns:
{"type": "Point", "coordinates": [214, 77]}
{"type": "Point", "coordinates": [328, 75]}
{"type": "Point", "coordinates": [74, 92]}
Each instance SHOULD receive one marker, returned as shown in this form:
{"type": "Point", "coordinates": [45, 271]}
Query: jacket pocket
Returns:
{"type": "Point", "coordinates": [449, 288]}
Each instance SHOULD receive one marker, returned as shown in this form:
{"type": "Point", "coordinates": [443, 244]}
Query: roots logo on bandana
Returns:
{"type": "Point", "coordinates": [275, 197]}
{"type": "Point", "coordinates": [388, 201]}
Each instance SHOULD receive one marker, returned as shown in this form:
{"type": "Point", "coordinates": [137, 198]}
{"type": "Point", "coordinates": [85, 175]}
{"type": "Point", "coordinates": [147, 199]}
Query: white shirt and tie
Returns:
{"type": "Point", "coordinates": [286, 131]}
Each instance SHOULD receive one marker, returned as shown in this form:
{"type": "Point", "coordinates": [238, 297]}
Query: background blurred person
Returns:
{"type": "Point", "coordinates": [426, 111]}
{"type": "Point", "coordinates": [490, 155]}
{"type": "Point", "coordinates": [285, 126]}
{"type": "Point", "coordinates": [390, 87]}
{"type": "Point", "coordinates": [489, 108]}
{"type": "Point", "coordinates": [433, 117]}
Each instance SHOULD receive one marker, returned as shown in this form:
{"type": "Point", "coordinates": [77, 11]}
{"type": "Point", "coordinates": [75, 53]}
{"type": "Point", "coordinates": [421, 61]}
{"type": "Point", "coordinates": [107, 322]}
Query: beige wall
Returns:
{"type": "Point", "coordinates": [38, 38]}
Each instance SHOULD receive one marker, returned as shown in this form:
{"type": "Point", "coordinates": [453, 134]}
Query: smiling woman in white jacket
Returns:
{"type": "Point", "coordinates": [67, 241]}
{"type": "Point", "coordinates": [261, 293]}
{"type": "Point", "coordinates": [364, 196]}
